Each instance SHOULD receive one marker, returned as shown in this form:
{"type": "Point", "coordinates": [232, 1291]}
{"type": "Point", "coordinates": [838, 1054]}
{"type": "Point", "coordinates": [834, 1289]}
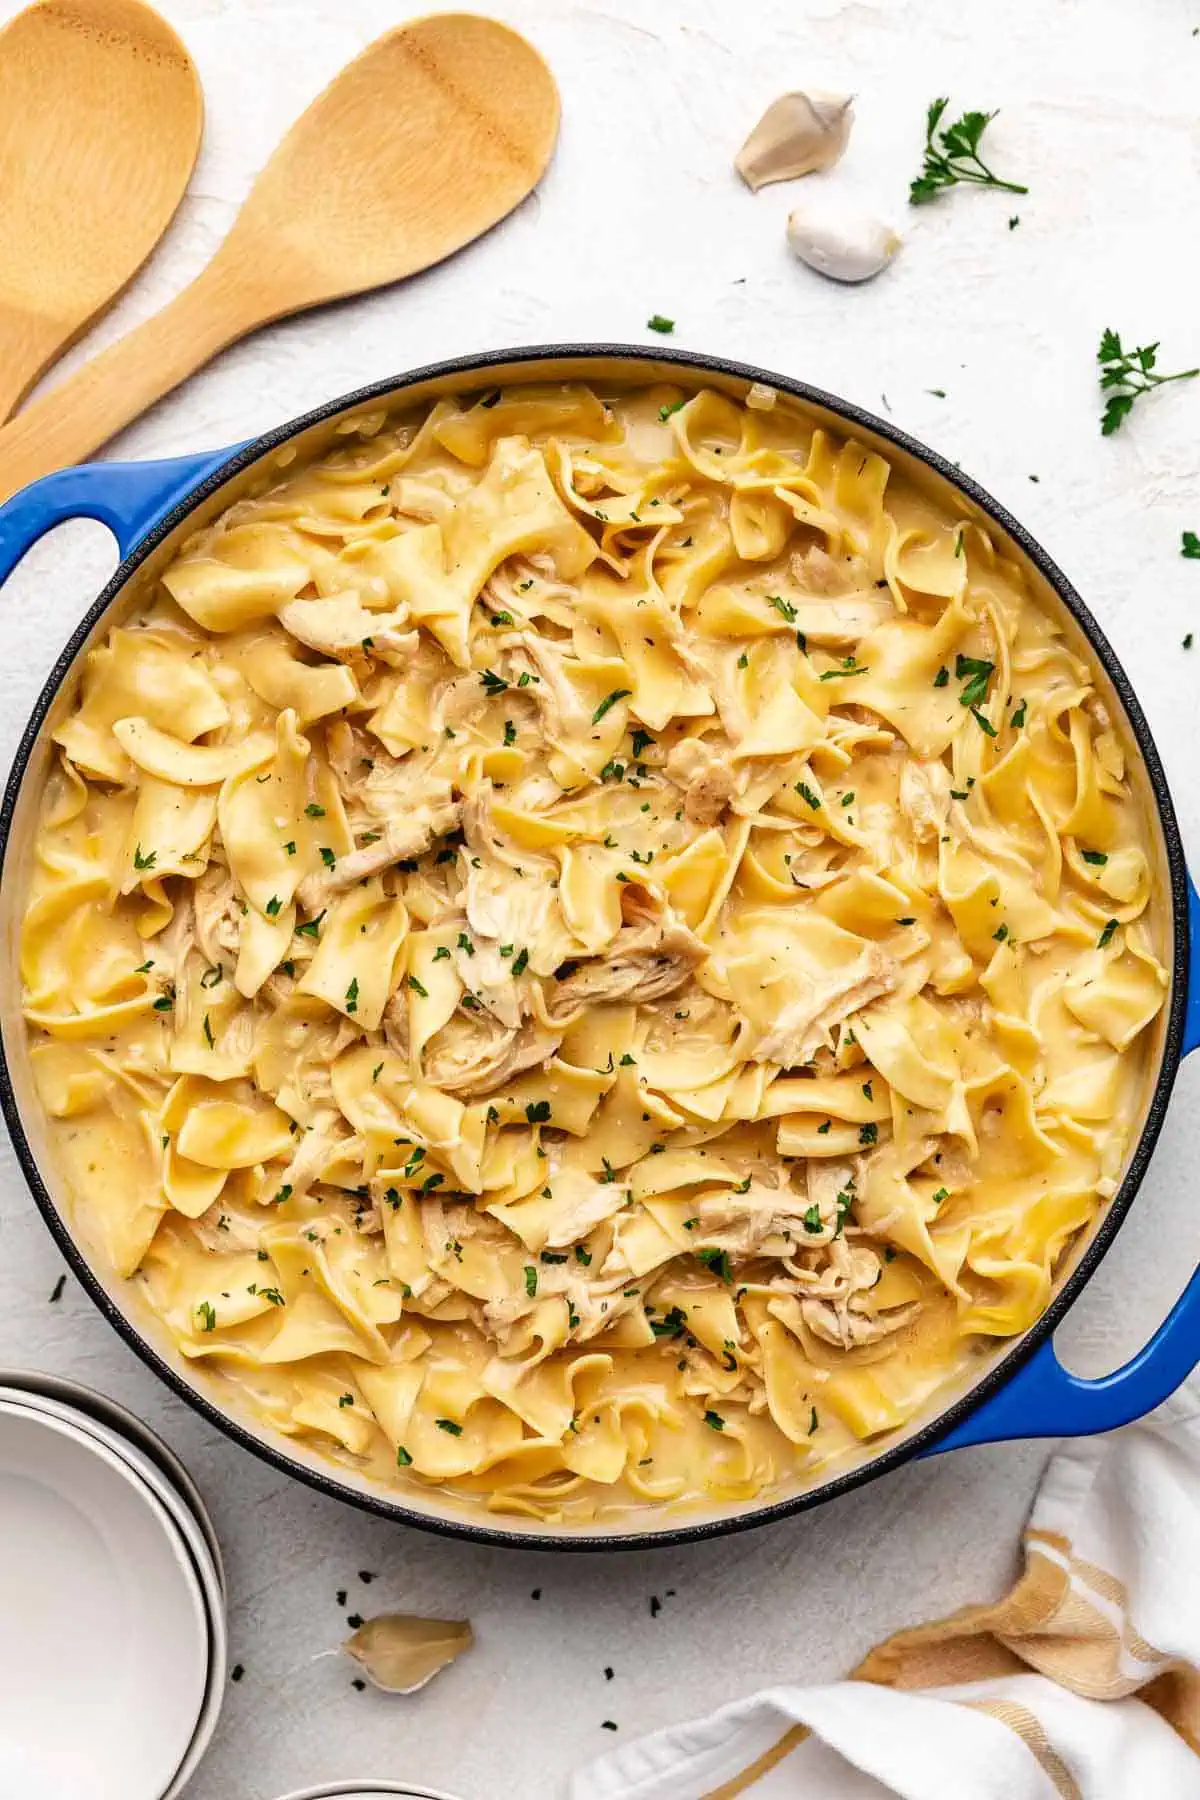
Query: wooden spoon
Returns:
{"type": "Point", "coordinates": [424, 142]}
{"type": "Point", "coordinates": [100, 121]}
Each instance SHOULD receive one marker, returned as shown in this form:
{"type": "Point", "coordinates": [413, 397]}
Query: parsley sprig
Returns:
{"type": "Point", "coordinates": [1125, 374]}
{"type": "Point", "coordinates": [952, 156]}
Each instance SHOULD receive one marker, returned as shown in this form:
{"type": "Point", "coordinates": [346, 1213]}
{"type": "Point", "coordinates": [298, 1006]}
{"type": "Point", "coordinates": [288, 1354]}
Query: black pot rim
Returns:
{"type": "Point", "coordinates": [688, 362]}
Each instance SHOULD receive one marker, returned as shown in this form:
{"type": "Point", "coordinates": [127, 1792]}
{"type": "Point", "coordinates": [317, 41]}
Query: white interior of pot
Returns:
{"type": "Point", "coordinates": [436, 1503]}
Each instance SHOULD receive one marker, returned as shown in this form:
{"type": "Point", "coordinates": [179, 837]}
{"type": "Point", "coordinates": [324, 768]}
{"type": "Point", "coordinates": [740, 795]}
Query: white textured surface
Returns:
{"type": "Point", "coordinates": [641, 213]}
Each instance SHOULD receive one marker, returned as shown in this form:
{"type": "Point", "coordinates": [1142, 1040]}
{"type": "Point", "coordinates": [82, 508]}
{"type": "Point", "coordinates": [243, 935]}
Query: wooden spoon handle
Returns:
{"type": "Point", "coordinates": [124, 381]}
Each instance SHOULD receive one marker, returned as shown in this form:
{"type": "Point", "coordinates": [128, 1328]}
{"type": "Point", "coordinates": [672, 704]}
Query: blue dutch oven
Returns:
{"type": "Point", "coordinates": [1022, 1390]}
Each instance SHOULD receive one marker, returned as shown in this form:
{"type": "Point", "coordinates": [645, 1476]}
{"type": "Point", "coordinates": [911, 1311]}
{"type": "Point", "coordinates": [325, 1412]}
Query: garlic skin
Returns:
{"type": "Point", "coordinates": [841, 239]}
{"type": "Point", "coordinates": [797, 135]}
{"type": "Point", "coordinates": [400, 1652]}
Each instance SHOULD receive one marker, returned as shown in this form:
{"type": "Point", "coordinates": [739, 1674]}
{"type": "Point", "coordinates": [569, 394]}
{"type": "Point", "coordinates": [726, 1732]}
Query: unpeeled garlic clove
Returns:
{"type": "Point", "coordinates": [400, 1652]}
{"type": "Point", "coordinates": [797, 135]}
{"type": "Point", "coordinates": [840, 238]}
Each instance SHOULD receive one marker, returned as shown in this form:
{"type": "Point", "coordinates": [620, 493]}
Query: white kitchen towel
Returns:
{"type": "Point", "coordinates": [1083, 1683]}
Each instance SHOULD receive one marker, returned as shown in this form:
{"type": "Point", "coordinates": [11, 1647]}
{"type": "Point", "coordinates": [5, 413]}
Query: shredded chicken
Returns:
{"type": "Point", "coordinates": [399, 840]}
{"type": "Point", "coordinates": [743, 1223]}
{"type": "Point", "coordinates": [702, 770]}
{"type": "Point", "coordinates": [848, 1329]}
{"type": "Point", "coordinates": [639, 975]}
{"type": "Point", "coordinates": [337, 626]}
{"type": "Point", "coordinates": [804, 1023]}
{"type": "Point", "coordinates": [925, 796]}
{"type": "Point", "coordinates": [217, 915]}
{"type": "Point", "coordinates": [475, 1055]}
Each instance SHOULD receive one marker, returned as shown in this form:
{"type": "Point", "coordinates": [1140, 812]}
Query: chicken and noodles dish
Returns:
{"type": "Point", "coordinates": [592, 947]}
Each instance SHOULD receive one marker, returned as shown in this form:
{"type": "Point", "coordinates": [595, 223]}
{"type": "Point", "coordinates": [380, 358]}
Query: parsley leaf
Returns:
{"type": "Point", "coordinates": [656, 322]}
{"type": "Point", "coordinates": [608, 701]}
{"type": "Point", "coordinates": [1191, 546]}
{"type": "Point", "coordinates": [952, 155]}
{"type": "Point", "coordinates": [1124, 376]}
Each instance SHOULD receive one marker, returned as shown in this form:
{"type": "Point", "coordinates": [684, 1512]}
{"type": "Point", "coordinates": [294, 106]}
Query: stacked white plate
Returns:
{"type": "Point", "coordinates": [112, 1601]}
{"type": "Point", "coordinates": [367, 1790]}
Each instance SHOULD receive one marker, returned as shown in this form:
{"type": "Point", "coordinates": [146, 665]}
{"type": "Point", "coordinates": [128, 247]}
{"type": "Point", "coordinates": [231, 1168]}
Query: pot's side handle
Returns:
{"type": "Point", "coordinates": [127, 497]}
{"type": "Point", "coordinates": [1045, 1400]}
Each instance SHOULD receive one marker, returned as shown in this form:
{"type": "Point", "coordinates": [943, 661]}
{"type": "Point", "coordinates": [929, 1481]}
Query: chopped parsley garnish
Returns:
{"type": "Point", "coordinates": [985, 725]}
{"type": "Point", "coordinates": [464, 943]}
{"type": "Point", "coordinates": [642, 741]}
{"type": "Point", "coordinates": [274, 906]}
{"type": "Point", "coordinates": [208, 1033]}
{"type": "Point", "coordinates": [1106, 936]}
{"type": "Point", "coordinates": [583, 1256]}
{"type": "Point", "coordinates": [806, 794]}
{"type": "Point", "coordinates": [1097, 858]}
{"type": "Point", "coordinates": [942, 1194]}
{"type": "Point", "coordinates": [1000, 933]}
{"type": "Point", "coordinates": [656, 322]}
{"type": "Point", "coordinates": [952, 156]}
{"type": "Point", "coordinates": [311, 927]}
{"type": "Point", "coordinates": [450, 1426]}
{"type": "Point", "coordinates": [144, 862]}
{"type": "Point", "coordinates": [538, 1112]}
{"type": "Point", "coordinates": [313, 811]}
{"type": "Point", "coordinates": [942, 676]}
{"type": "Point", "coordinates": [352, 995]}
{"type": "Point", "coordinates": [164, 1003]}
{"type": "Point", "coordinates": [1190, 546]}
{"type": "Point", "coordinates": [418, 987]}
{"type": "Point", "coordinates": [717, 1263]}
{"type": "Point", "coordinates": [502, 618]}
{"type": "Point", "coordinates": [403, 1459]}
{"type": "Point", "coordinates": [207, 1315]}
{"type": "Point", "coordinates": [664, 412]}
{"type": "Point", "coordinates": [1126, 375]}
{"type": "Point", "coordinates": [715, 1420]}
{"type": "Point", "coordinates": [530, 1280]}
{"type": "Point", "coordinates": [608, 701]}
{"type": "Point", "coordinates": [868, 1134]}
{"type": "Point", "coordinates": [812, 1220]}
{"type": "Point", "coordinates": [510, 732]}
{"type": "Point", "coordinates": [521, 962]}
{"type": "Point", "coordinates": [1018, 718]}
{"type": "Point", "coordinates": [976, 673]}
{"type": "Point", "coordinates": [783, 607]}
{"type": "Point", "coordinates": [493, 683]}
{"type": "Point", "coordinates": [847, 671]}
{"type": "Point", "coordinates": [144, 969]}
{"type": "Point", "coordinates": [813, 1421]}
{"type": "Point", "coordinates": [285, 1193]}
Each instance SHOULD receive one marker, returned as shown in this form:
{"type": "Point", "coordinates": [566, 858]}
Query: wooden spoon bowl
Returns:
{"type": "Point", "coordinates": [100, 121]}
{"type": "Point", "coordinates": [428, 139]}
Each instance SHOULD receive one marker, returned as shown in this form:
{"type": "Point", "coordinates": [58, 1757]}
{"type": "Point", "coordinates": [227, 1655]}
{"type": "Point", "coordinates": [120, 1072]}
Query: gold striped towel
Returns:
{"type": "Point", "coordinates": [1083, 1683]}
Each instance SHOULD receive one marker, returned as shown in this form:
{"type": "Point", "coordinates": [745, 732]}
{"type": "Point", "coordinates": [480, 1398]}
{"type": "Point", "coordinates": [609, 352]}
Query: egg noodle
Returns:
{"type": "Point", "coordinates": [590, 949]}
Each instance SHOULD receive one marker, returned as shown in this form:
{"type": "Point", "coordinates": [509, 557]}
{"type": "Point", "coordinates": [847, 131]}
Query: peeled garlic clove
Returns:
{"type": "Point", "coordinates": [839, 238]}
{"type": "Point", "coordinates": [400, 1652]}
{"type": "Point", "coordinates": [798, 134]}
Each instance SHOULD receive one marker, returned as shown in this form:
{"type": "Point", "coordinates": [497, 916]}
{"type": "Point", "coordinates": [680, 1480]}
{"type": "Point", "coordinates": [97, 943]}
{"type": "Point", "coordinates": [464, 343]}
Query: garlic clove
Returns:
{"type": "Point", "coordinates": [797, 135]}
{"type": "Point", "coordinates": [400, 1652]}
{"type": "Point", "coordinates": [839, 238]}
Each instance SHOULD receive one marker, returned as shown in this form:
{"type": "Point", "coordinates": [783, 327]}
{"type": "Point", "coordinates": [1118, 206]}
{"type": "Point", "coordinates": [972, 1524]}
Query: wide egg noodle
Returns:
{"type": "Point", "coordinates": [591, 948]}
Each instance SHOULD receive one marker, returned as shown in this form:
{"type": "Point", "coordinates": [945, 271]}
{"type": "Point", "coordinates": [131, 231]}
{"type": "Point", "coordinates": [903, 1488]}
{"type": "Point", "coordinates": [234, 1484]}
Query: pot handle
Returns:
{"type": "Point", "coordinates": [128, 497]}
{"type": "Point", "coordinates": [1045, 1400]}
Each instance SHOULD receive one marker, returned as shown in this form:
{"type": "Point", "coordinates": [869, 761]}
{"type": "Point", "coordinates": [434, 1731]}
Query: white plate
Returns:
{"type": "Point", "coordinates": [367, 1790]}
{"type": "Point", "coordinates": [119, 1419]}
{"type": "Point", "coordinates": [196, 1542]}
{"type": "Point", "coordinates": [104, 1636]}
